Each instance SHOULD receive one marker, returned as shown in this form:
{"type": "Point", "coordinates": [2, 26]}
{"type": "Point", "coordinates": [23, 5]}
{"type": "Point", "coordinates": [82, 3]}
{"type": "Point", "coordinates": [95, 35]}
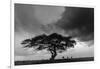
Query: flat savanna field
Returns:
{"type": "Point", "coordinates": [30, 62]}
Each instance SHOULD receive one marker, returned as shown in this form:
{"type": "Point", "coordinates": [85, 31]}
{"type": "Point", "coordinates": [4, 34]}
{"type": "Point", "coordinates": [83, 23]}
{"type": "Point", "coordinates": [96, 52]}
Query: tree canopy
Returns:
{"type": "Point", "coordinates": [53, 43]}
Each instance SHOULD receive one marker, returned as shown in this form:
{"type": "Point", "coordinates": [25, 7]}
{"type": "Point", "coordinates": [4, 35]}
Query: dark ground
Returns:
{"type": "Point", "coordinates": [54, 61]}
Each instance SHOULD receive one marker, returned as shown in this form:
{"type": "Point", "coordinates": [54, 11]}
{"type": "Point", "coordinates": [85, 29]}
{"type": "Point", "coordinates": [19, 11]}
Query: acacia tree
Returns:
{"type": "Point", "coordinates": [53, 43]}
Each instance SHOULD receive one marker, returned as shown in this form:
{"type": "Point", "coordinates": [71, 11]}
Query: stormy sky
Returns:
{"type": "Point", "coordinates": [33, 20]}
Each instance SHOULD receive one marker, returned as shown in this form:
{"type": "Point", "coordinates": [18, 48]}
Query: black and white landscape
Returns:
{"type": "Point", "coordinates": [53, 34]}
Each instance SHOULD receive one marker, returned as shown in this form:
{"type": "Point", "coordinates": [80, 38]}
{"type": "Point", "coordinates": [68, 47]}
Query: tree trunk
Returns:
{"type": "Point", "coordinates": [53, 55]}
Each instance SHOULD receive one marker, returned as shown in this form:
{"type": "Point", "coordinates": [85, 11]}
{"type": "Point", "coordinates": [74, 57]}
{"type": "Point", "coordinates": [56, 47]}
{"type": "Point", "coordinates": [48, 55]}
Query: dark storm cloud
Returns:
{"type": "Point", "coordinates": [78, 22]}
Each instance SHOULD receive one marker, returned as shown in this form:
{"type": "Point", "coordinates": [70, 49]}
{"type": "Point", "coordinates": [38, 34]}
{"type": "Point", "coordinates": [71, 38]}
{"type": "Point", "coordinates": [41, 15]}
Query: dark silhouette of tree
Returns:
{"type": "Point", "coordinates": [53, 43]}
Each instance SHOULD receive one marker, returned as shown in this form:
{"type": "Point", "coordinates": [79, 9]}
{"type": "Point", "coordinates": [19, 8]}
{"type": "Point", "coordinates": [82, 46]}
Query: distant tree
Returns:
{"type": "Point", "coordinates": [53, 43]}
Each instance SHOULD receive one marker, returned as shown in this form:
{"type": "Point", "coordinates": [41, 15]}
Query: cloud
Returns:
{"type": "Point", "coordinates": [36, 19]}
{"type": "Point", "coordinates": [48, 14]}
{"type": "Point", "coordinates": [30, 18]}
{"type": "Point", "coordinates": [78, 22]}
{"type": "Point", "coordinates": [25, 19]}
